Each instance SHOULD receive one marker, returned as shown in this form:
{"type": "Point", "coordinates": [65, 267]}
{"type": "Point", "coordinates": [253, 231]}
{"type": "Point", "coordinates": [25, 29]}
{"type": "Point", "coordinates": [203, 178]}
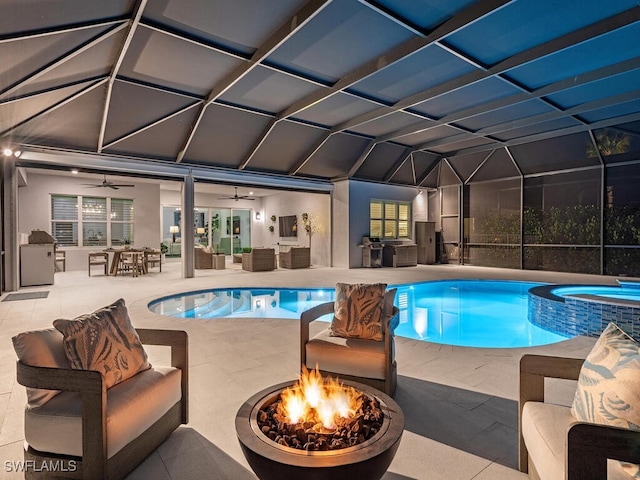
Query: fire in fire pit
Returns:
{"type": "Point", "coordinates": [320, 414]}
{"type": "Point", "coordinates": [316, 429]}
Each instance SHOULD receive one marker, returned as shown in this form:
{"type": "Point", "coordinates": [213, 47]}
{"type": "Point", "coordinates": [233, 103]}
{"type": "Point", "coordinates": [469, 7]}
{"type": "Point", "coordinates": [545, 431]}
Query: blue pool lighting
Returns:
{"type": "Point", "coordinates": [470, 313]}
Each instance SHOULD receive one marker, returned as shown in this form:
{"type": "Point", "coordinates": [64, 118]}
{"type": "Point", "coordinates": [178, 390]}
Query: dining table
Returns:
{"type": "Point", "coordinates": [115, 261]}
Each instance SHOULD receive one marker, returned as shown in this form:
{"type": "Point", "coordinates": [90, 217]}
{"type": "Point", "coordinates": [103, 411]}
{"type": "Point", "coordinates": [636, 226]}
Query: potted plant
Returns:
{"type": "Point", "coordinates": [308, 228]}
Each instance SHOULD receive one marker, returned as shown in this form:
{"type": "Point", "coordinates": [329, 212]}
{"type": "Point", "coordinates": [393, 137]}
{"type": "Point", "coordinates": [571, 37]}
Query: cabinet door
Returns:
{"type": "Point", "coordinates": [426, 241]}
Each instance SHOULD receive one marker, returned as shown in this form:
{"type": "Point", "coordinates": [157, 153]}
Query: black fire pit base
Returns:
{"type": "Point", "coordinates": [271, 461]}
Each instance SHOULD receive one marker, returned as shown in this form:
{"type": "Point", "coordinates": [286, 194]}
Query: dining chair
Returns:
{"type": "Point", "coordinates": [131, 262]}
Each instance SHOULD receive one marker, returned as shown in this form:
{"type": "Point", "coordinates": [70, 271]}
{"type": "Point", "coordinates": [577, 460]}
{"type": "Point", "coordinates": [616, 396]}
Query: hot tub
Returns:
{"type": "Point", "coordinates": [586, 309]}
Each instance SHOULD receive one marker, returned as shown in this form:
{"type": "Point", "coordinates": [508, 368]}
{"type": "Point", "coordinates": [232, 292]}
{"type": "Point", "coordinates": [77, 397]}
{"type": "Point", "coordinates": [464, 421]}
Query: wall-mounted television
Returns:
{"type": "Point", "coordinates": [288, 226]}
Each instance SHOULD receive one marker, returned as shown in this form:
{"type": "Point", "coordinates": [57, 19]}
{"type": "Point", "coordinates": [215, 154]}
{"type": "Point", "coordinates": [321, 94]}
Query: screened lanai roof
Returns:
{"type": "Point", "coordinates": [316, 89]}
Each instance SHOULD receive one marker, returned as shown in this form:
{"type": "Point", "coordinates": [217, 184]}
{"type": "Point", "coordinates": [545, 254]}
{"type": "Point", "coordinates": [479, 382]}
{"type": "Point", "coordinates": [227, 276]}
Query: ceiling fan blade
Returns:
{"type": "Point", "coordinates": [236, 197]}
{"type": "Point", "coordinates": [107, 184]}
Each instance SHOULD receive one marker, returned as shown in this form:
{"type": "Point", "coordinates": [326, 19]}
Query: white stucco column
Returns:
{"type": "Point", "coordinates": [10, 225]}
{"type": "Point", "coordinates": [340, 225]}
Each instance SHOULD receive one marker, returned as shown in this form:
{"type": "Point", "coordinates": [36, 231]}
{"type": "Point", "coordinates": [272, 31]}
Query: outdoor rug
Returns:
{"type": "Point", "coordinates": [25, 296]}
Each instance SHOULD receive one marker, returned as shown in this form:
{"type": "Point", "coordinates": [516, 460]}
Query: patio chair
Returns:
{"type": "Point", "coordinates": [368, 361]}
{"type": "Point", "coordinates": [61, 258]}
{"type": "Point", "coordinates": [202, 259]}
{"type": "Point", "coordinates": [153, 258]}
{"type": "Point", "coordinates": [259, 260]}
{"type": "Point", "coordinates": [296, 257]}
{"type": "Point", "coordinates": [554, 443]}
{"type": "Point", "coordinates": [77, 421]}
{"type": "Point", "coordinates": [131, 262]}
{"type": "Point", "coordinates": [99, 258]}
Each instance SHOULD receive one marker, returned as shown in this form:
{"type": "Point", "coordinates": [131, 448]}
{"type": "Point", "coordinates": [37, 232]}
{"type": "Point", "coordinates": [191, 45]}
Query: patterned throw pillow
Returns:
{"type": "Point", "coordinates": [105, 341]}
{"type": "Point", "coordinates": [609, 384]}
{"type": "Point", "coordinates": [358, 311]}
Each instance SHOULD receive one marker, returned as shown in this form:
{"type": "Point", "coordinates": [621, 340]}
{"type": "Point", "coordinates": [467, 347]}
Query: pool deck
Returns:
{"type": "Point", "coordinates": [459, 403]}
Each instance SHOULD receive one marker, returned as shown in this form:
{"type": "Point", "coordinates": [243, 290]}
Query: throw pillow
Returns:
{"type": "Point", "coordinates": [358, 311]}
{"type": "Point", "coordinates": [608, 390]}
{"type": "Point", "coordinates": [105, 341]}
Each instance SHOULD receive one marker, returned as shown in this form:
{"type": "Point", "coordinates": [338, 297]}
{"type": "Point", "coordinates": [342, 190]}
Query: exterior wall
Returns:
{"type": "Point", "coordinates": [360, 196]}
{"type": "Point", "coordinates": [316, 205]}
{"type": "Point", "coordinates": [34, 209]}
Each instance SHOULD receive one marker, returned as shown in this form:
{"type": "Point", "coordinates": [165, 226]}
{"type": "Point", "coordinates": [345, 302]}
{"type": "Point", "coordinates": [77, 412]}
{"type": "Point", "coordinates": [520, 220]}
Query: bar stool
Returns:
{"type": "Point", "coordinates": [99, 258]}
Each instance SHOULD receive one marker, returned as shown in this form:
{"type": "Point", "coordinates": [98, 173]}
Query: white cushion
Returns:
{"type": "Point", "coordinates": [348, 356]}
{"type": "Point", "coordinates": [544, 429]}
{"type": "Point", "coordinates": [40, 348]}
{"type": "Point", "coordinates": [132, 406]}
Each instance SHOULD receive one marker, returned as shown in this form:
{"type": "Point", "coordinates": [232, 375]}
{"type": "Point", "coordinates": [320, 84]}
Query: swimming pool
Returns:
{"type": "Point", "coordinates": [470, 313]}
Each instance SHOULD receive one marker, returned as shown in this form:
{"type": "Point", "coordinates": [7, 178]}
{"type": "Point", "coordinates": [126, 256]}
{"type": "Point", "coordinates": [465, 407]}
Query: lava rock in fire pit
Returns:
{"type": "Point", "coordinates": [309, 436]}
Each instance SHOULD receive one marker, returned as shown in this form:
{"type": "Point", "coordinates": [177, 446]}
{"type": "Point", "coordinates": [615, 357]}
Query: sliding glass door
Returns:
{"type": "Point", "coordinates": [227, 230]}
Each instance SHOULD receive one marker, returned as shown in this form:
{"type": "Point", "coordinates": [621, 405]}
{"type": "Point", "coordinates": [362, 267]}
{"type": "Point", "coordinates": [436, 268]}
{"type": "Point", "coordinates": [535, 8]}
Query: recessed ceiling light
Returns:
{"type": "Point", "coordinates": [8, 152]}
{"type": "Point", "coordinates": [74, 171]}
{"type": "Point", "coordinates": [17, 153]}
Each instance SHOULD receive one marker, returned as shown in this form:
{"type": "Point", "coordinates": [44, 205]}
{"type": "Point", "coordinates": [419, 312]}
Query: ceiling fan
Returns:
{"type": "Point", "coordinates": [107, 184]}
{"type": "Point", "coordinates": [237, 197]}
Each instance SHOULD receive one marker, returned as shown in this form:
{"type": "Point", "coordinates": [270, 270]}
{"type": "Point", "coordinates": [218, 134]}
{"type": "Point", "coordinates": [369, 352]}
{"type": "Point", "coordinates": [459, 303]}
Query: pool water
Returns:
{"type": "Point", "coordinates": [470, 313]}
{"type": "Point", "coordinates": [620, 293]}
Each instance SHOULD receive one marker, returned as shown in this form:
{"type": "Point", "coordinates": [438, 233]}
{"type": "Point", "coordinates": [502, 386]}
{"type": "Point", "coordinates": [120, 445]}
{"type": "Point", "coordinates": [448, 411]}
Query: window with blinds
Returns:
{"type": "Point", "coordinates": [99, 221]}
{"type": "Point", "coordinates": [64, 219]}
{"type": "Point", "coordinates": [121, 221]}
{"type": "Point", "coordinates": [388, 219]}
{"type": "Point", "coordinates": [94, 221]}
{"type": "Point", "coordinates": [375, 218]}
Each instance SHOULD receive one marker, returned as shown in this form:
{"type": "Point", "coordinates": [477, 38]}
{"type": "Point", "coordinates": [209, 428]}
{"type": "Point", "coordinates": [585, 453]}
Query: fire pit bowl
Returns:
{"type": "Point", "coordinates": [270, 460]}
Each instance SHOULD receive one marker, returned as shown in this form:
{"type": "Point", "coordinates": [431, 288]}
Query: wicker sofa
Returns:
{"type": "Point", "coordinates": [295, 257]}
{"type": "Point", "coordinates": [400, 254]}
{"type": "Point", "coordinates": [259, 260]}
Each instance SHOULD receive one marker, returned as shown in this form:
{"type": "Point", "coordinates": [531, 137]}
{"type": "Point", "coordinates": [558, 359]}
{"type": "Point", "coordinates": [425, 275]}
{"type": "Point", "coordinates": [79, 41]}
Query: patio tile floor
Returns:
{"type": "Point", "coordinates": [460, 403]}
